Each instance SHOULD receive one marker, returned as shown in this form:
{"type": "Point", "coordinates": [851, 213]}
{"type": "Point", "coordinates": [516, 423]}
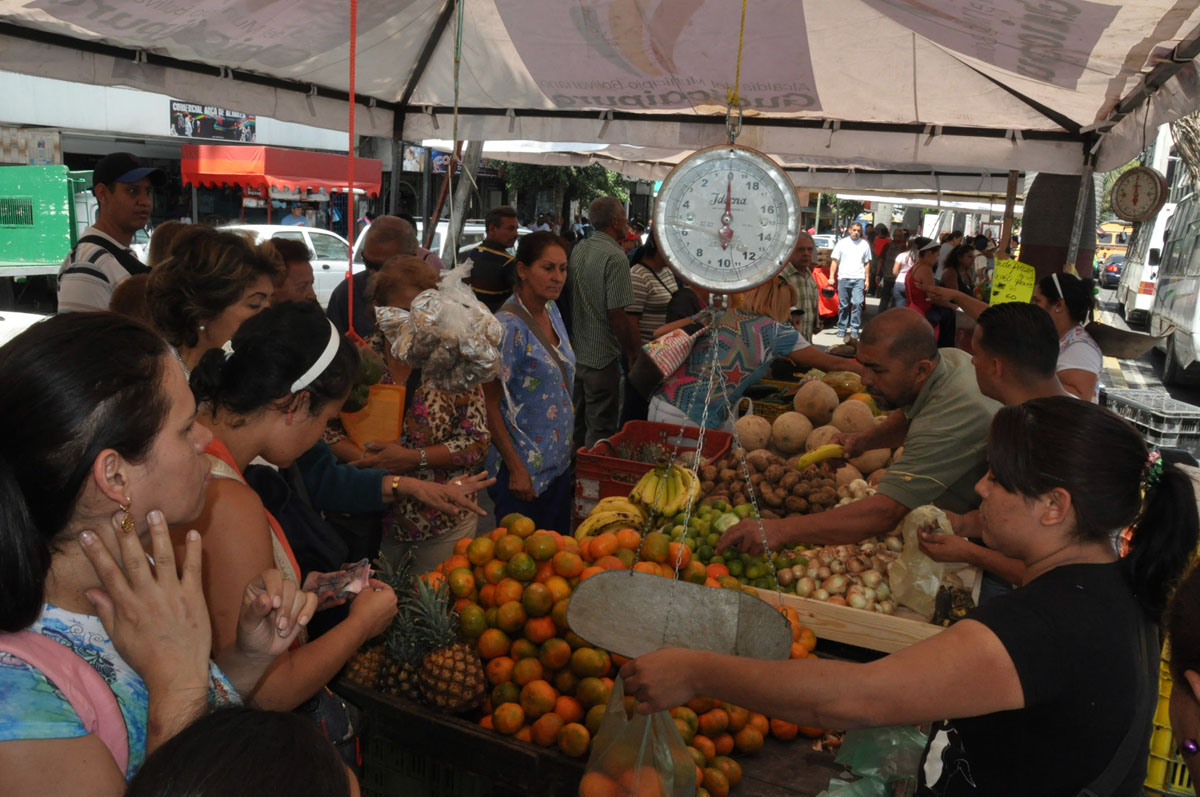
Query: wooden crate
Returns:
{"type": "Point", "coordinates": [872, 630]}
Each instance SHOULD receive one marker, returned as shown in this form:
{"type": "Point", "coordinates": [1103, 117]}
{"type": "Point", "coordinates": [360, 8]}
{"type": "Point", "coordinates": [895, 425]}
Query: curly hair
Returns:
{"type": "Point", "coordinates": [207, 272]}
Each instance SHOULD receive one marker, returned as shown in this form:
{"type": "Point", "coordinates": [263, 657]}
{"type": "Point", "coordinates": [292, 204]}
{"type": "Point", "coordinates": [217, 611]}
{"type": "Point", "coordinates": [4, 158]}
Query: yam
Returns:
{"type": "Point", "coordinates": [872, 460]}
{"type": "Point", "coordinates": [820, 436]}
{"type": "Point", "coordinates": [846, 474]}
{"type": "Point", "coordinates": [853, 417]}
{"type": "Point", "coordinates": [816, 401]}
{"type": "Point", "coordinates": [754, 432]}
{"type": "Point", "coordinates": [876, 476]}
{"type": "Point", "coordinates": [790, 431]}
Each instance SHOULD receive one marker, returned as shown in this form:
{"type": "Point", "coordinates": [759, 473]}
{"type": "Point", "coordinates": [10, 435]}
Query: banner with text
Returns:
{"type": "Point", "coordinates": [191, 120]}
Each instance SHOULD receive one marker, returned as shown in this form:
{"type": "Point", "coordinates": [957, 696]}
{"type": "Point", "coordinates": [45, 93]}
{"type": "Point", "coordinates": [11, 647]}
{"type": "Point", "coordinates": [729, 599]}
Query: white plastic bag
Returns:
{"type": "Point", "coordinates": [914, 578]}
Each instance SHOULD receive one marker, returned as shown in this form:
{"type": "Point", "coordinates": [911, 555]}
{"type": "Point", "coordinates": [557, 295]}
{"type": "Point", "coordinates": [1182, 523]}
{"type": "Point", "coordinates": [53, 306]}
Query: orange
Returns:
{"type": "Point", "coordinates": [594, 718]}
{"type": "Point", "coordinates": [526, 670]}
{"type": "Point", "coordinates": [537, 600]}
{"type": "Point", "coordinates": [808, 639]}
{"type": "Point", "coordinates": [567, 707]}
{"type": "Point", "coordinates": [646, 567]}
{"type": "Point", "coordinates": [539, 629]}
{"type": "Point", "coordinates": [508, 546]}
{"type": "Point", "coordinates": [656, 547]}
{"type": "Point", "coordinates": [461, 603]}
{"type": "Point", "coordinates": [687, 715]}
{"type": "Point", "coordinates": [461, 582]}
{"type": "Point", "coordinates": [537, 698]}
{"type": "Point", "coordinates": [731, 768]}
{"type": "Point", "coordinates": [685, 731]}
{"type": "Point", "coordinates": [544, 571]}
{"type": "Point", "coordinates": [724, 743]}
{"type": "Point", "coordinates": [694, 572]}
{"type": "Point", "coordinates": [573, 740]}
{"type": "Point", "coordinates": [569, 544]}
{"type": "Point", "coordinates": [566, 682]}
{"type": "Point", "coordinates": [643, 781]}
{"type": "Point", "coordinates": [705, 745]}
{"type": "Point", "coordinates": [760, 723]}
{"type": "Point", "coordinates": [738, 717]}
{"type": "Point", "coordinates": [510, 617]}
{"type": "Point", "coordinates": [492, 643]}
{"type": "Point", "coordinates": [589, 572]}
{"type": "Point", "coordinates": [495, 534]}
{"type": "Point", "coordinates": [518, 524]}
{"type": "Point", "coordinates": [716, 782]}
{"type": "Point", "coordinates": [793, 618]}
{"type": "Point", "coordinates": [604, 544]}
{"type": "Point", "coordinates": [509, 589]}
{"type": "Point", "coordinates": [507, 692]}
{"type": "Point", "coordinates": [575, 640]}
{"type": "Point", "coordinates": [559, 587]}
{"type": "Point", "coordinates": [487, 595]}
{"type": "Point", "coordinates": [597, 784]}
{"type": "Point", "coordinates": [712, 582]}
{"type": "Point", "coordinates": [541, 545]}
{"type": "Point", "coordinates": [748, 740]}
{"type": "Point", "coordinates": [592, 692]}
{"type": "Point", "coordinates": [454, 562]}
{"type": "Point", "coordinates": [559, 614]}
{"type": "Point", "coordinates": [499, 670]}
{"type": "Point", "coordinates": [584, 548]}
{"type": "Point", "coordinates": [433, 579]}
{"type": "Point", "coordinates": [783, 730]}
{"type": "Point", "coordinates": [811, 732]}
{"type": "Point", "coordinates": [618, 660]}
{"type": "Point", "coordinates": [588, 662]}
{"type": "Point", "coordinates": [629, 539]}
{"type": "Point", "coordinates": [522, 648]}
{"type": "Point", "coordinates": [626, 556]}
{"type": "Point", "coordinates": [481, 550]}
{"type": "Point", "coordinates": [525, 734]}
{"type": "Point", "coordinates": [460, 547]}
{"type": "Point", "coordinates": [522, 567]}
{"type": "Point", "coordinates": [697, 756]}
{"type": "Point", "coordinates": [701, 705]}
{"type": "Point", "coordinates": [610, 562]}
{"type": "Point", "coordinates": [716, 570]}
{"type": "Point", "coordinates": [678, 555]}
{"type": "Point", "coordinates": [508, 718]}
{"type": "Point", "coordinates": [714, 722]}
{"type": "Point", "coordinates": [494, 571]}
{"type": "Point", "coordinates": [545, 729]}
{"type": "Point", "coordinates": [489, 615]}
{"type": "Point", "coordinates": [486, 721]}
{"type": "Point", "coordinates": [798, 651]}
{"type": "Point", "coordinates": [567, 564]}
{"type": "Point", "coordinates": [555, 654]}
{"type": "Point", "coordinates": [471, 621]}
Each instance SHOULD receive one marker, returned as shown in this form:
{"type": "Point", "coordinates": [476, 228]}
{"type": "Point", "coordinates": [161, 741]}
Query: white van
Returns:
{"type": "Point", "coordinates": [1135, 291]}
{"type": "Point", "coordinates": [329, 251]}
{"type": "Point", "coordinates": [1173, 314]}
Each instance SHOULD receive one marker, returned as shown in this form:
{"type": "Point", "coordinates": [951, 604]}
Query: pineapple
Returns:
{"type": "Point", "coordinates": [365, 667]}
{"type": "Point", "coordinates": [450, 674]}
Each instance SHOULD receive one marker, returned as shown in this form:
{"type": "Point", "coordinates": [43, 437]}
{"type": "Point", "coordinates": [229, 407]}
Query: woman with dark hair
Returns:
{"type": "Point", "coordinates": [269, 394]}
{"type": "Point", "coordinates": [243, 752]}
{"type": "Point", "coordinates": [99, 455]}
{"type": "Point", "coordinates": [1069, 301]}
{"type": "Point", "coordinates": [1047, 690]}
{"type": "Point", "coordinates": [918, 286]}
{"type": "Point", "coordinates": [959, 271]}
{"type": "Point", "coordinates": [653, 286]}
{"type": "Point", "coordinates": [211, 282]}
{"type": "Point", "coordinates": [530, 411]}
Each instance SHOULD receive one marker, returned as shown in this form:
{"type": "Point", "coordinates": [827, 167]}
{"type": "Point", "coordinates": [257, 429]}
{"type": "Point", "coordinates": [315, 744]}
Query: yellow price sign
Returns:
{"type": "Point", "coordinates": [1012, 281]}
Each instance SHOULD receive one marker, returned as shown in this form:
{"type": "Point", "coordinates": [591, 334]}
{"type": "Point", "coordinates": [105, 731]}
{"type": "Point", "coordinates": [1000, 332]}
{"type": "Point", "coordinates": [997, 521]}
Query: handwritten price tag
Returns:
{"type": "Point", "coordinates": [1012, 281]}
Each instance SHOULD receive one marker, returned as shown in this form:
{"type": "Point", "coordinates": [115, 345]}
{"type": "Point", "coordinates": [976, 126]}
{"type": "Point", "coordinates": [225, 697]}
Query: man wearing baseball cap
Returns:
{"type": "Point", "coordinates": [101, 260]}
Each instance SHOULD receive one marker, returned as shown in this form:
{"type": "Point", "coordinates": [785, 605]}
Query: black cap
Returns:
{"type": "Point", "coordinates": [121, 167]}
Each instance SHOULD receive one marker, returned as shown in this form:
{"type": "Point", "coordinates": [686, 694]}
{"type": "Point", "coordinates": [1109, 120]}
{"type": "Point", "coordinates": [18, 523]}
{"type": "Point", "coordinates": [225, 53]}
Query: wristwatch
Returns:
{"type": "Point", "coordinates": [395, 488]}
{"type": "Point", "coordinates": [423, 462]}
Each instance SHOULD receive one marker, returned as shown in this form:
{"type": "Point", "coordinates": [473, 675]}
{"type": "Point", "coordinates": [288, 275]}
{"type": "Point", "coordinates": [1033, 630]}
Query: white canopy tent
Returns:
{"type": "Point", "coordinates": [957, 88]}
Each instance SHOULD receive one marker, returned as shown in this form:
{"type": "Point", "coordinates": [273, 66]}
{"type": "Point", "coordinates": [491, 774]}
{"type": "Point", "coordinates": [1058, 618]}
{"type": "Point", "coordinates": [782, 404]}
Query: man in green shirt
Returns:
{"type": "Point", "coordinates": [938, 415]}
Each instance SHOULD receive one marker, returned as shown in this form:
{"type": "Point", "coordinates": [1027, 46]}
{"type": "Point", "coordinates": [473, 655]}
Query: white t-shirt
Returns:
{"type": "Point", "coordinates": [906, 260]}
{"type": "Point", "coordinates": [852, 257]}
{"type": "Point", "coordinates": [1079, 350]}
{"type": "Point", "coordinates": [89, 274]}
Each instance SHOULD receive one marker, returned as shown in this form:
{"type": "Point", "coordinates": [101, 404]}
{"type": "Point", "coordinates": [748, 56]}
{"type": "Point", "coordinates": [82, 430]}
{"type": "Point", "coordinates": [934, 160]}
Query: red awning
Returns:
{"type": "Point", "coordinates": [256, 167]}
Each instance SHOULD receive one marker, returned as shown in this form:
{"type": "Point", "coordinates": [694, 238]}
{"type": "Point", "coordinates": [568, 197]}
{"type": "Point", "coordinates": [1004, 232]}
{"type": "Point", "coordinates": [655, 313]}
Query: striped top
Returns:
{"type": "Point", "coordinates": [599, 281]}
{"type": "Point", "coordinates": [650, 298]}
{"type": "Point", "coordinates": [94, 274]}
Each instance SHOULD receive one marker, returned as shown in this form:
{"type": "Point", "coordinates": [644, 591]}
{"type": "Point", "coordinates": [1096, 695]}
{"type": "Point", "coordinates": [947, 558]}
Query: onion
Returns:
{"type": "Point", "coordinates": [797, 572]}
{"type": "Point", "coordinates": [784, 576]}
{"type": "Point", "coordinates": [843, 552]}
{"type": "Point", "coordinates": [820, 594]}
{"type": "Point", "coordinates": [837, 566]}
{"type": "Point", "coordinates": [801, 562]}
{"type": "Point", "coordinates": [837, 600]}
{"type": "Point", "coordinates": [805, 586]}
{"type": "Point", "coordinates": [825, 556]}
{"type": "Point", "coordinates": [885, 607]}
{"type": "Point", "coordinates": [894, 544]}
{"type": "Point", "coordinates": [857, 600]}
{"type": "Point", "coordinates": [823, 573]}
{"type": "Point", "coordinates": [855, 565]}
{"type": "Point", "coordinates": [871, 578]}
{"type": "Point", "coordinates": [869, 593]}
{"type": "Point", "coordinates": [813, 572]}
{"type": "Point", "coordinates": [834, 585]}
{"type": "Point", "coordinates": [867, 548]}
{"type": "Point", "coordinates": [883, 591]}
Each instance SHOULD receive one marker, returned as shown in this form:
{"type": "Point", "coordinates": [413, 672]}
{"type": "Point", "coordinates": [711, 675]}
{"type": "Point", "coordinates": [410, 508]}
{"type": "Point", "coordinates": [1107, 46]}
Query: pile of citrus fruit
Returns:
{"type": "Point", "coordinates": [548, 686]}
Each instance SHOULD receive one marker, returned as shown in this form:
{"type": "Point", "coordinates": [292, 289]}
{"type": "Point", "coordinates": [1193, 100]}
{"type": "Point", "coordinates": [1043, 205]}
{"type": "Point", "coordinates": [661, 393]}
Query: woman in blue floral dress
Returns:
{"type": "Point", "coordinates": [530, 414]}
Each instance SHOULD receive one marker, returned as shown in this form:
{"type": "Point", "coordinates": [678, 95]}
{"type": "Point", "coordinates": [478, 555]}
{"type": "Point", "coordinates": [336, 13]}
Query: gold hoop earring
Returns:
{"type": "Point", "coordinates": [126, 518]}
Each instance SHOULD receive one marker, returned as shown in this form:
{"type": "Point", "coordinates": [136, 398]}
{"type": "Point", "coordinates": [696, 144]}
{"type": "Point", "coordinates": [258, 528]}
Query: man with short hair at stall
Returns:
{"type": "Point", "coordinates": [387, 237]}
{"type": "Point", "coordinates": [296, 284]}
{"type": "Point", "coordinates": [491, 260]}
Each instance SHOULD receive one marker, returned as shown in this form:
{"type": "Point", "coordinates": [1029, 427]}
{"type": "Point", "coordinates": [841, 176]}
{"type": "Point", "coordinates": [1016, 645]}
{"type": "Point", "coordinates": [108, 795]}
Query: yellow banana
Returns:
{"type": "Point", "coordinates": [819, 454]}
{"type": "Point", "coordinates": [618, 502]}
{"type": "Point", "coordinates": [675, 493]}
{"type": "Point", "coordinates": [598, 520]}
{"type": "Point", "coordinates": [646, 491]}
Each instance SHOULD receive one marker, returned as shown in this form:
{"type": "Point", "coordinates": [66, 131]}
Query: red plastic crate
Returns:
{"type": "Point", "coordinates": [599, 472]}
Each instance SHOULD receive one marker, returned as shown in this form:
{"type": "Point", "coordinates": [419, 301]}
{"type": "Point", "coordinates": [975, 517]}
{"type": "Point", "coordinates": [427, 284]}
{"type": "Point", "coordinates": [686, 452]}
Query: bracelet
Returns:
{"type": "Point", "coordinates": [424, 461]}
{"type": "Point", "coordinates": [396, 488]}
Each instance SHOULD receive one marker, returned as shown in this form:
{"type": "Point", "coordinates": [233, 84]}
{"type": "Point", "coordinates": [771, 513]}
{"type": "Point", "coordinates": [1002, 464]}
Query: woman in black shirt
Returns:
{"type": "Point", "coordinates": [1044, 687]}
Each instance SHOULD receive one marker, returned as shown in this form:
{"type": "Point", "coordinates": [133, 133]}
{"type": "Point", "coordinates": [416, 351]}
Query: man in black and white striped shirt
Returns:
{"type": "Point", "coordinates": [101, 260]}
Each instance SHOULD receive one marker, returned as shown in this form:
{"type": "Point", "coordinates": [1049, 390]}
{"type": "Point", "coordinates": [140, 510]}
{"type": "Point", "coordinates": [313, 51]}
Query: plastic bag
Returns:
{"type": "Point", "coordinates": [879, 757]}
{"type": "Point", "coordinates": [639, 755]}
{"type": "Point", "coordinates": [914, 577]}
{"type": "Point", "coordinates": [448, 334]}
{"type": "Point", "coordinates": [863, 787]}
{"type": "Point", "coordinates": [844, 383]}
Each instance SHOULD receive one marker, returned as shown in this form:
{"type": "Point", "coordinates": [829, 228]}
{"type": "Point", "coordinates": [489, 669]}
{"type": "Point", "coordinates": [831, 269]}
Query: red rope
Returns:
{"type": "Point", "coordinates": [350, 220]}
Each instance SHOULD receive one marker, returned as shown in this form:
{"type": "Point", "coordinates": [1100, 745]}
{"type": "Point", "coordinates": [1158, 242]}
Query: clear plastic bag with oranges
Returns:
{"type": "Point", "coordinates": [638, 755]}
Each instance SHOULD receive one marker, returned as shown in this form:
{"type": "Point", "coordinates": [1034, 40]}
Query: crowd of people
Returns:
{"type": "Point", "coordinates": [167, 507]}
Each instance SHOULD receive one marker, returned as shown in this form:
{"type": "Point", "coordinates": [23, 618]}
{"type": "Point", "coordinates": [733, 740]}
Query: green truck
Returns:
{"type": "Point", "coordinates": [43, 210]}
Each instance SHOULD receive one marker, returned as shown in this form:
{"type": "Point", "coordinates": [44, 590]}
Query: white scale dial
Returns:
{"type": "Point", "coordinates": [727, 218]}
{"type": "Point", "coordinates": [1138, 194]}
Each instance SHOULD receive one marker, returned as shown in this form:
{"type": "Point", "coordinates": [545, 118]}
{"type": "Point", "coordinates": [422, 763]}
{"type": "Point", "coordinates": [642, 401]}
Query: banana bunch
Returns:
{"type": "Point", "coordinates": [666, 490]}
{"type": "Point", "coordinates": [819, 454]}
{"type": "Point", "coordinates": [610, 514]}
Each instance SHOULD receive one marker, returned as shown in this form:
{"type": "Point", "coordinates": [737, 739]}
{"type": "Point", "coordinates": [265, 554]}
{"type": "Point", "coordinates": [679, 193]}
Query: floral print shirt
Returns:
{"type": "Point", "coordinates": [536, 405]}
{"type": "Point", "coordinates": [34, 708]}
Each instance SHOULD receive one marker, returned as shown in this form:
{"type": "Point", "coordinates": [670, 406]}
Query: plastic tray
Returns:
{"type": "Point", "coordinates": [389, 769]}
{"type": "Point", "coordinates": [1153, 410]}
{"type": "Point", "coordinates": [1166, 772]}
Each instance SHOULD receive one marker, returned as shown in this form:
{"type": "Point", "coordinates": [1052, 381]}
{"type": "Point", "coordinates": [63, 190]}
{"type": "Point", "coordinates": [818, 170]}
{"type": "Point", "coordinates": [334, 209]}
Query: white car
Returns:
{"type": "Point", "coordinates": [329, 252]}
{"type": "Point", "coordinates": [1139, 278]}
{"type": "Point", "coordinates": [824, 241]}
{"type": "Point", "coordinates": [13, 323]}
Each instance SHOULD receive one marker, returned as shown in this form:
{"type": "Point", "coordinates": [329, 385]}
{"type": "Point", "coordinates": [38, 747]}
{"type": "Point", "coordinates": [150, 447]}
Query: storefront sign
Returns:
{"type": "Point", "coordinates": [1012, 281]}
{"type": "Point", "coordinates": [442, 159]}
{"type": "Point", "coordinates": [191, 120]}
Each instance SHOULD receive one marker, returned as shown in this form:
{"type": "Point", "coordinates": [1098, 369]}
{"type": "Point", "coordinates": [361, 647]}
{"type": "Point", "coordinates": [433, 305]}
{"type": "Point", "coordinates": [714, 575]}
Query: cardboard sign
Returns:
{"type": "Point", "coordinates": [1013, 281]}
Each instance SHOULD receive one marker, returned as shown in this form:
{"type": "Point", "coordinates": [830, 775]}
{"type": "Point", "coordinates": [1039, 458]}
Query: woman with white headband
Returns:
{"type": "Point", "coordinates": [269, 393]}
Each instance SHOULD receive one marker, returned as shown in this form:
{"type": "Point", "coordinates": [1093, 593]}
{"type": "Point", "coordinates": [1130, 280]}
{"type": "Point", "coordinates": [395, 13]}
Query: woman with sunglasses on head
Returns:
{"type": "Point", "coordinates": [1046, 690]}
{"type": "Point", "coordinates": [106, 650]}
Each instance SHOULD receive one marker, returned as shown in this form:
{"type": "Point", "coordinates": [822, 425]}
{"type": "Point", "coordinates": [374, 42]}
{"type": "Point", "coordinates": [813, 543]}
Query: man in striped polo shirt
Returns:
{"type": "Point", "coordinates": [101, 260]}
{"type": "Point", "coordinates": [602, 333]}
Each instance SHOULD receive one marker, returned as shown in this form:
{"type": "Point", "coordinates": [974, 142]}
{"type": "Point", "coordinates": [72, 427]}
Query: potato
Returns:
{"type": "Point", "coordinates": [846, 474]}
{"type": "Point", "coordinates": [790, 431]}
{"type": "Point", "coordinates": [708, 473]}
{"type": "Point", "coordinates": [727, 474]}
{"type": "Point", "coordinates": [816, 401]}
{"type": "Point", "coordinates": [760, 460]}
{"type": "Point", "coordinates": [820, 436]}
{"type": "Point", "coordinates": [774, 473]}
{"type": "Point", "coordinates": [706, 487]}
{"type": "Point", "coordinates": [772, 496]}
{"type": "Point", "coordinates": [767, 514]}
{"type": "Point", "coordinates": [790, 479]}
{"type": "Point", "coordinates": [871, 460]}
{"type": "Point", "coordinates": [853, 417]}
{"type": "Point", "coordinates": [795, 505]}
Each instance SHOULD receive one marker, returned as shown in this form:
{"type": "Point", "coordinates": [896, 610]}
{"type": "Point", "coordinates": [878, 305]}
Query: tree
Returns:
{"type": "Point", "coordinates": [569, 183]}
{"type": "Point", "coordinates": [844, 210]}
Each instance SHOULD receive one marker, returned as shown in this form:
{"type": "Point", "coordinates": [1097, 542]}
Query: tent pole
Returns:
{"type": "Point", "coordinates": [1010, 202]}
{"type": "Point", "coordinates": [1085, 187]}
{"type": "Point", "coordinates": [427, 189]}
{"type": "Point", "coordinates": [462, 193]}
{"type": "Point", "coordinates": [431, 227]}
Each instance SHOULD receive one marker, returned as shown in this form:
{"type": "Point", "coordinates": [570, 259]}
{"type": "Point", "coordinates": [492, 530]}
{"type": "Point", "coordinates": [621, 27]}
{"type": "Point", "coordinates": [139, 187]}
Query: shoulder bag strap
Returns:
{"type": "Point", "coordinates": [523, 314]}
{"type": "Point", "coordinates": [83, 687]}
{"type": "Point", "coordinates": [123, 256]}
{"type": "Point", "coordinates": [660, 280]}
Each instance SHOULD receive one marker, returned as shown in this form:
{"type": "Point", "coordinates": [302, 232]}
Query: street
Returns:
{"type": "Point", "coordinates": [1142, 373]}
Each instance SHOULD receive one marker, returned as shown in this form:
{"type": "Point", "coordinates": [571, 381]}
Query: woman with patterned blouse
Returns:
{"type": "Point", "coordinates": [530, 414]}
{"type": "Point", "coordinates": [444, 437]}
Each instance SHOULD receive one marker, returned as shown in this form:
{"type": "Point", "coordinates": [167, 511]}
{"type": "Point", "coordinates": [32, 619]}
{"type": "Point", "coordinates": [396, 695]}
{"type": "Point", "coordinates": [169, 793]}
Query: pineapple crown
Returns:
{"type": "Point", "coordinates": [424, 620]}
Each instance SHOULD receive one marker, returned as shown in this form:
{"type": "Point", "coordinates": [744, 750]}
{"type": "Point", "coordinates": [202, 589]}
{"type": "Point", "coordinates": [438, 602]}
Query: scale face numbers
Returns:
{"type": "Point", "coordinates": [727, 218]}
{"type": "Point", "coordinates": [1138, 194]}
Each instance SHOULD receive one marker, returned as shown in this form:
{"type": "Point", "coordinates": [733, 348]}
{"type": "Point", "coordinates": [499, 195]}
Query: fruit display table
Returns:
{"type": "Point", "coordinates": [410, 749]}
